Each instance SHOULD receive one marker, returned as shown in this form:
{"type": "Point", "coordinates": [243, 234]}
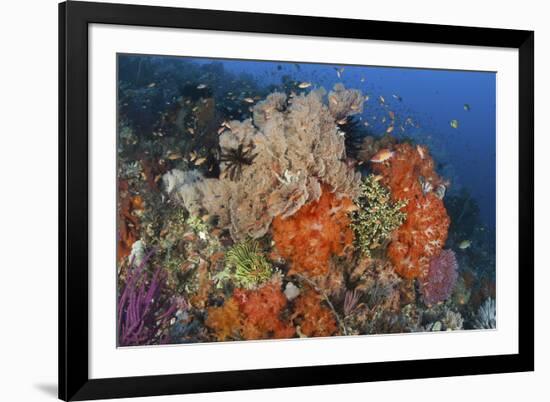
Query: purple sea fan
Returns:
{"type": "Point", "coordinates": [140, 312]}
{"type": "Point", "coordinates": [439, 282]}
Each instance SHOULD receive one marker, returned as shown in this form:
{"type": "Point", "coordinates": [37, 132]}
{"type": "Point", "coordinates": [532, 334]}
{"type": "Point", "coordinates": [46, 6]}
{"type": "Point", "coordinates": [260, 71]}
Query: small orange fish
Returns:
{"type": "Point", "coordinates": [199, 161]}
{"type": "Point", "coordinates": [420, 151]}
{"type": "Point", "coordinates": [343, 121]}
{"type": "Point", "coordinates": [382, 156]}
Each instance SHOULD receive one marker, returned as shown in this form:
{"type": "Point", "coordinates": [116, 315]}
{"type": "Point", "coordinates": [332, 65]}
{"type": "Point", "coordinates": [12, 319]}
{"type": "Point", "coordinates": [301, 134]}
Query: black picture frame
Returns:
{"type": "Point", "coordinates": [74, 19]}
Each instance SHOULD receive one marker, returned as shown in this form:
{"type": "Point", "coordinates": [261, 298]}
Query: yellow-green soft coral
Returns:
{"type": "Point", "coordinates": [376, 217]}
{"type": "Point", "coordinates": [245, 266]}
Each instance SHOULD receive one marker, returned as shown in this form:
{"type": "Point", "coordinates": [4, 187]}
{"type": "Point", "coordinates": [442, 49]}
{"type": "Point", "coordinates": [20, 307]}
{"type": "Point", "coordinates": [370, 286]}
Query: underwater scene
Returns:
{"type": "Point", "coordinates": [271, 200]}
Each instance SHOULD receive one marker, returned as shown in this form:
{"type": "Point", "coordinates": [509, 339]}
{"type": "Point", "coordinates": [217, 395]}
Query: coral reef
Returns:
{"type": "Point", "coordinates": [452, 321]}
{"type": "Point", "coordinates": [187, 327]}
{"type": "Point", "coordinates": [288, 153]}
{"type": "Point", "coordinates": [190, 252]}
{"type": "Point", "coordinates": [376, 217]}
{"type": "Point", "coordinates": [424, 232]}
{"type": "Point", "coordinates": [380, 285]}
{"type": "Point", "coordinates": [378, 291]}
{"type": "Point", "coordinates": [200, 284]}
{"type": "Point", "coordinates": [379, 321]}
{"type": "Point", "coordinates": [461, 293]}
{"type": "Point", "coordinates": [316, 232]}
{"type": "Point", "coordinates": [437, 285]}
{"type": "Point", "coordinates": [152, 170]}
{"type": "Point", "coordinates": [441, 317]}
{"type": "Point", "coordinates": [278, 210]}
{"type": "Point", "coordinates": [486, 315]}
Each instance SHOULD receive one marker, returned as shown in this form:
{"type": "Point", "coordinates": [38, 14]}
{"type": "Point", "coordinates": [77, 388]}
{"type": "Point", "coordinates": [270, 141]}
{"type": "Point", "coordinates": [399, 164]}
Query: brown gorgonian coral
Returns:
{"type": "Point", "coordinates": [286, 152]}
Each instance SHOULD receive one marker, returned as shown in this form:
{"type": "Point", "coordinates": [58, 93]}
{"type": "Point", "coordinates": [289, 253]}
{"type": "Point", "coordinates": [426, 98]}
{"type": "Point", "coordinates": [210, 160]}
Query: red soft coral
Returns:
{"type": "Point", "coordinates": [313, 234]}
{"type": "Point", "coordinates": [424, 232]}
{"type": "Point", "coordinates": [226, 321]}
{"type": "Point", "coordinates": [252, 314]}
{"type": "Point", "coordinates": [128, 223]}
{"type": "Point", "coordinates": [261, 309]}
{"type": "Point", "coordinates": [313, 318]}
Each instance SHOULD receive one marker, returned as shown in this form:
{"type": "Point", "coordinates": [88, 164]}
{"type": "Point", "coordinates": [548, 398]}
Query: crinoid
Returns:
{"type": "Point", "coordinates": [235, 159]}
{"type": "Point", "coordinates": [246, 266]}
{"type": "Point", "coordinates": [354, 132]}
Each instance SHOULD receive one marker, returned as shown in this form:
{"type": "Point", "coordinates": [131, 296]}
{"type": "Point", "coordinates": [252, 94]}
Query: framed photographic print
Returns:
{"type": "Point", "coordinates": [254, 200]}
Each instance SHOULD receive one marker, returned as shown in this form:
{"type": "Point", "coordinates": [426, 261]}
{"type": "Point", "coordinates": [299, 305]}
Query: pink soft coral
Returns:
{"type": "Point", "coordinates": [437, 285]}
